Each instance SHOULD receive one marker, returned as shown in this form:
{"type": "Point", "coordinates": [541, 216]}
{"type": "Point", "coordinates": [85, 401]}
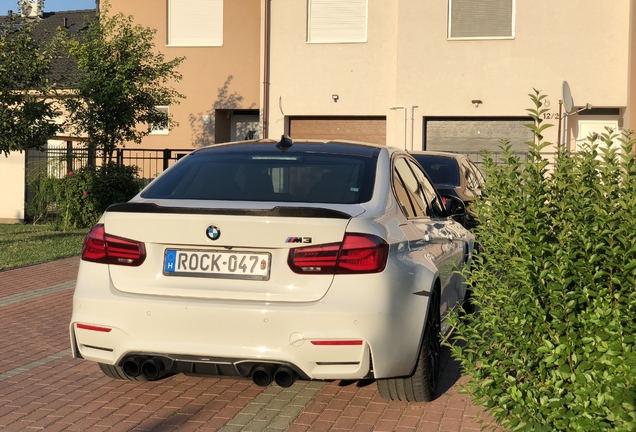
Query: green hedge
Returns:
{"type": "Point", "coordinates": [79, 199]}
{"type": "Point", "coordinates": [552, 344]}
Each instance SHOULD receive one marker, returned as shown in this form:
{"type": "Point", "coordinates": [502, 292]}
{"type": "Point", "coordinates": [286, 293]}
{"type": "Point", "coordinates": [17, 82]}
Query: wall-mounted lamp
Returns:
{"type": "Point", "coordinates": [476, 102]}
{"type": "Point", "coordinates": [335, 97]}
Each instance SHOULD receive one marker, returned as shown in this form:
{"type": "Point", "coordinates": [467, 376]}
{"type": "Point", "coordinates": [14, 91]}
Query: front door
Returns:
{"type": "Point", "coordinates": [591, 128]}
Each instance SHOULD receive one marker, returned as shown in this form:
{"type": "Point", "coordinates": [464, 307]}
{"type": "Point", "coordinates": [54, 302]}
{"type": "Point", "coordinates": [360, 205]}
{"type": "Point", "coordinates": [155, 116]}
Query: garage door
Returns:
{"type": "Point", "coordinates": [472, 135]}
{"type": "Point", "coordinates": [365, 129]}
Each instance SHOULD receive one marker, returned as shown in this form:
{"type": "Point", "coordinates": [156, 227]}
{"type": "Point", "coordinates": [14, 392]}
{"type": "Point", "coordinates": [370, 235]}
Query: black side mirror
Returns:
{"type": "Point", "coordinates": [454, 206]}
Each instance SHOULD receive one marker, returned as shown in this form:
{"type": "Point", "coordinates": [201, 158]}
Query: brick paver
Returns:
{"type": "Point", "coordinates": [43, 389]}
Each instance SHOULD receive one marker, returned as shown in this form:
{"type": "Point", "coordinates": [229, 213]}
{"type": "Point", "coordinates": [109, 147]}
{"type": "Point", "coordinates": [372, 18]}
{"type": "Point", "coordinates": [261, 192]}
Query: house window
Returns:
{"type": "Point", "coordinates": [481, 19]}
{"type": "Point", "coordinates": [337, 21]}
{"type": "Point", "coordinates": [195, 22]}
{"type": "Point", "coordinates": [161, 128]}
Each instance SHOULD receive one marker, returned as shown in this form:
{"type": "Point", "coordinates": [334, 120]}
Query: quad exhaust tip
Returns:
{"type": "Point", "coordinates": [152, 368]}
{"type": "Point", "coordinates": [263, 374]}
{"type": "Point", "coordinates": [132, 367]}
{"type": "Point", "coordinates": [283, 376]}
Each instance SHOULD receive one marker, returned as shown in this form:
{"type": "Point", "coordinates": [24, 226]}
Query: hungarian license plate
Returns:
{"type": "Point", "coordinates": [217, 264]}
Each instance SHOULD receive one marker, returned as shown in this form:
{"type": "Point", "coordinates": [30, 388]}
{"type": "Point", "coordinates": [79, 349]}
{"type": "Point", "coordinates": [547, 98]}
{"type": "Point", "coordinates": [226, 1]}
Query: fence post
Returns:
{"type": "Point", "coordinates": [167, 154]}
{"type": "Point", "coordinates": [92, 156]}
{"type": "Point", "coordinates": [120, 156]}
{"type": "Point", "coordinates": [69, 156]}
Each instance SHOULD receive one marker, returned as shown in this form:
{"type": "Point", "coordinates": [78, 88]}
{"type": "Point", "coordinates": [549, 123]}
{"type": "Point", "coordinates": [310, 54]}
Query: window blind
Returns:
{"type": "Point", "coordinates": [195, 22]}
{"type": "Point", "coordinates": [475, 19]}
{"type": "Point", "coordinates": [337, 21]}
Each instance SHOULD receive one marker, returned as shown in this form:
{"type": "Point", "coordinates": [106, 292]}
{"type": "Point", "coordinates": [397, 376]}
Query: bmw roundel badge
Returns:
{"type": "Point", "coordinates": [213, 232]}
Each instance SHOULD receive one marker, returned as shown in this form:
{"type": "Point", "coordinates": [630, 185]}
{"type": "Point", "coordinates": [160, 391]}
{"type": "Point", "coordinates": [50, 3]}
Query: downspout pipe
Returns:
{"type": "Point", "coordinates": [402, 108]}
{"type": "Point", "coordinates": [412, 124]}
{"type": "Point", "coordinates": [266, 64]}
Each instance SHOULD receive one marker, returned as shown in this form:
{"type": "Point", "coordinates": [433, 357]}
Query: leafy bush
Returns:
{"type": "Point", "coordinates": [85, 194]}
{"type": "Point", "coordinates": [552, 344]}
{"type": "Point", "coordinates": [44, 189]}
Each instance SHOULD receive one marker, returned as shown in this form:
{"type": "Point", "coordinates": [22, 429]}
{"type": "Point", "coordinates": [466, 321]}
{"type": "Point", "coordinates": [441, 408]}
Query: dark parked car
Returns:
{"type": "Point", "coordinates": [454, 174]}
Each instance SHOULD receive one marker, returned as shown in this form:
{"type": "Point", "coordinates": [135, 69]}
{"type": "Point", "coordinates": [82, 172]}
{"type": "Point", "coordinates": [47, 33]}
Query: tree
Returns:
{"type": "Point", "coordinates": [26, 113]}
{"type": "Point", "coordinates": [122, 80]}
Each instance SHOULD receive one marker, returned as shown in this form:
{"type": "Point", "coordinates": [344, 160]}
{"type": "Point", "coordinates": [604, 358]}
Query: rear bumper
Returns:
{"type": "Point", "coordinates": [387, 319]}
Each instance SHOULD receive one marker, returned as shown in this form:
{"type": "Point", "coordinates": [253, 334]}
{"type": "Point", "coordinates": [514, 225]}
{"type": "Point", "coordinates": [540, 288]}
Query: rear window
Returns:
{"type": "Point", "coordinates": [307, 177]}
{"type": "Point", "coordinates": [441, 170]}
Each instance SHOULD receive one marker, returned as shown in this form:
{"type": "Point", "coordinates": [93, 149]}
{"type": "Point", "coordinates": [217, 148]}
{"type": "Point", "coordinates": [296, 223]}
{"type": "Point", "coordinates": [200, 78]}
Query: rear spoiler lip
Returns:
{"type": "Point", "coordinates": [280, 211]}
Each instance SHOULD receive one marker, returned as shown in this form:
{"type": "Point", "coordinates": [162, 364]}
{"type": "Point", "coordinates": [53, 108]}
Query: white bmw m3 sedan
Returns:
{"type": "Point", "coordinates": [276, 261]}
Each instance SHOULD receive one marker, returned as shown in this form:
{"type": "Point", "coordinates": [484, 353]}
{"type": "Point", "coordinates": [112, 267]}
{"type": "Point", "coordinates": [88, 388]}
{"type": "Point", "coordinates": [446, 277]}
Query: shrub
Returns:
{"type": "Point", "coordinates": [44, 194]}
{"type": "Point", "coordinates": [552, 345]}
{"type": "Point", "coordinates": [86, 193]}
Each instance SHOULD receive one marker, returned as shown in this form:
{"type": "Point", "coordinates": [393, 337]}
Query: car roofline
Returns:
{"type": "Point", "coordinates": [295, 141]}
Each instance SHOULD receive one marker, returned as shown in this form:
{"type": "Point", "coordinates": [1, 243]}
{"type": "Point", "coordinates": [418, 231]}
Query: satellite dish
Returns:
{"type": "Point", "coordinates": [568, 102]}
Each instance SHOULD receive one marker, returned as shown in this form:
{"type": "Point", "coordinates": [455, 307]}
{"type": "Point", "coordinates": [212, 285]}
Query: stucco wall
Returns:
{"type": "Point", "coordinates": [584, 42]}
{"type": "Point", "coordinates": [12, 191]}
{"type": "Point", "coordinates": [408, 61]}
{"type": "Point", "coordinates": [213, 77]}
{"type": "Point", "coordinates": [304, 76]}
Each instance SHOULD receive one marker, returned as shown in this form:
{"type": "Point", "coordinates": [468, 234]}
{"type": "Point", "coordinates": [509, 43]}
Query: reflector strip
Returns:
{"type": "Point", "coordinates": [336, 342]}
{"type": "Point", "coordinates": [93, 328]}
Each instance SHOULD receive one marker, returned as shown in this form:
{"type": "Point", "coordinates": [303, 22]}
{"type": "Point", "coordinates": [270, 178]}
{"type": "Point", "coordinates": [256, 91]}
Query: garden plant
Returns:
{"type": "Point", "coordinates": [86, 193]}
{"type": "Point", "coordinates": [78, 199]}
{"type": "Point", "coordinates": [552, 344]}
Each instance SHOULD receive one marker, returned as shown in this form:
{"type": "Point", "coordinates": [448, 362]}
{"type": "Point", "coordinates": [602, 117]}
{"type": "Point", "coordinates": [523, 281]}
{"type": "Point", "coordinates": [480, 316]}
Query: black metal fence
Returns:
{"type": "Point", "coordinates": [59, 161]}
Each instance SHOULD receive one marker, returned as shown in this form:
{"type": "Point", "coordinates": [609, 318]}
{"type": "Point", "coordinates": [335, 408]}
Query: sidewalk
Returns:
{"type": "Point", "coordinates": [43, 388]}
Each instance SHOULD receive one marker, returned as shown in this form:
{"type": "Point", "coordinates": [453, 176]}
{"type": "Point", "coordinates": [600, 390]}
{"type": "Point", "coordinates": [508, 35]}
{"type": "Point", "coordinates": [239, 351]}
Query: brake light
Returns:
{"type": "Point", "coordinates": [104, 248]}
{"type": "Point", "coordinates": [358, 253]}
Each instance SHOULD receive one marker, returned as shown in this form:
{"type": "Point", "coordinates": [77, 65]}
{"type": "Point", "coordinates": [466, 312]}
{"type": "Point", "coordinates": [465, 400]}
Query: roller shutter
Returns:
{"type": "Point", "coordinates": [365, 129]}
{"type": "Point", "coordinates": [474, 135]}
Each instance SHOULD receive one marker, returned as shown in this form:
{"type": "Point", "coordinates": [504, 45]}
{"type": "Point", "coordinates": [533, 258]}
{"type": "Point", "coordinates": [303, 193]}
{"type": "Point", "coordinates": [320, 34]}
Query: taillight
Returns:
{"type": "Point", "coordinates": [362, 253]}
{"type": "Point", "coordinates": [358, 253]}
{"type": "Point", "coordinates": [109, 249]}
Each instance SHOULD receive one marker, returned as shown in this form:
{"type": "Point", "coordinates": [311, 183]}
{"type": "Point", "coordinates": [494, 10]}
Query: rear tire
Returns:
{"type": "Point", "coordinates": [419, 387]}
{"type": "Point", "coordinates": [468, 306]}
{"type": "Point", "coordinates": [117, 372]}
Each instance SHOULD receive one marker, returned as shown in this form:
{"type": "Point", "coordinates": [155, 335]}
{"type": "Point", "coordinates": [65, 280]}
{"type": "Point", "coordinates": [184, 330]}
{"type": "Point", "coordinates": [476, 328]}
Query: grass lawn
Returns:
{"type": "Point", "coordinates": [22, 245]}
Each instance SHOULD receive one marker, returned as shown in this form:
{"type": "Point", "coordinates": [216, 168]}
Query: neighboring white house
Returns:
{"type": "Point", "coordinates": [13, 192]}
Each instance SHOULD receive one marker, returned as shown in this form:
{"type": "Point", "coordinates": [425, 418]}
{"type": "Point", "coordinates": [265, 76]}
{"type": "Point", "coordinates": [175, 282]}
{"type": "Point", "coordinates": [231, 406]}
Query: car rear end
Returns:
{"type": "Point", "coordinates": [247, 259]}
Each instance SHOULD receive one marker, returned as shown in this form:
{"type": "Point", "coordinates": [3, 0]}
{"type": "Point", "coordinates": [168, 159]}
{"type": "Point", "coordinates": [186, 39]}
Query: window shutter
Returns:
{"type": "Point", "coordinates": [337, 21]}
{"type": "Point", "coordinates": [475, 19]}
{"type": "Point", "coordinates": [195, 22]}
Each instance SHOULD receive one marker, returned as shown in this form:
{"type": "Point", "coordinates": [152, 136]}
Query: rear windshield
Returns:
{"type": "Point", "coordinates": [441, 170]}
{"type": "Point", "coordinates": [306, 177]}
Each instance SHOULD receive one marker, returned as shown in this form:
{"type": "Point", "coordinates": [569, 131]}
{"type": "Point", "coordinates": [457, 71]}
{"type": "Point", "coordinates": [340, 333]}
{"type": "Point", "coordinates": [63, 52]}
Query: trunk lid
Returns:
{"type": "Point", "coordinates": [247, 261]}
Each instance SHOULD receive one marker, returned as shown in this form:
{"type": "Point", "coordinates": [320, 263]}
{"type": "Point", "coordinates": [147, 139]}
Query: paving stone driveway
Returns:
{"type": "Point", "coordinates": [43, 388]}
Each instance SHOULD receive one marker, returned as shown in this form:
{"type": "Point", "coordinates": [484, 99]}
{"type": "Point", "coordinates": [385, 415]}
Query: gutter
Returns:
{"type": "Point", "coordinates": [266, 76]}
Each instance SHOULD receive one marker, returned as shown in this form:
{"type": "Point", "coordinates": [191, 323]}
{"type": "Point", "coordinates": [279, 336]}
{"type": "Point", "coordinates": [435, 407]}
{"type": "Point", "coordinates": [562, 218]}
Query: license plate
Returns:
{"type": "Point", "coordinates": [217, 264]}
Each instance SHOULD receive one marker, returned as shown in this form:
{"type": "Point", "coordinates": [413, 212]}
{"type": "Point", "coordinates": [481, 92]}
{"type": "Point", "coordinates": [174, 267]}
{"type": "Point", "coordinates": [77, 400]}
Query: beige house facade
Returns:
{"type": "Point", "coordinates": [449, 75]}
{"type": "Point", "coordinates": [221, 41]}
{"type": "Point", "coordinates": [438, 75]}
